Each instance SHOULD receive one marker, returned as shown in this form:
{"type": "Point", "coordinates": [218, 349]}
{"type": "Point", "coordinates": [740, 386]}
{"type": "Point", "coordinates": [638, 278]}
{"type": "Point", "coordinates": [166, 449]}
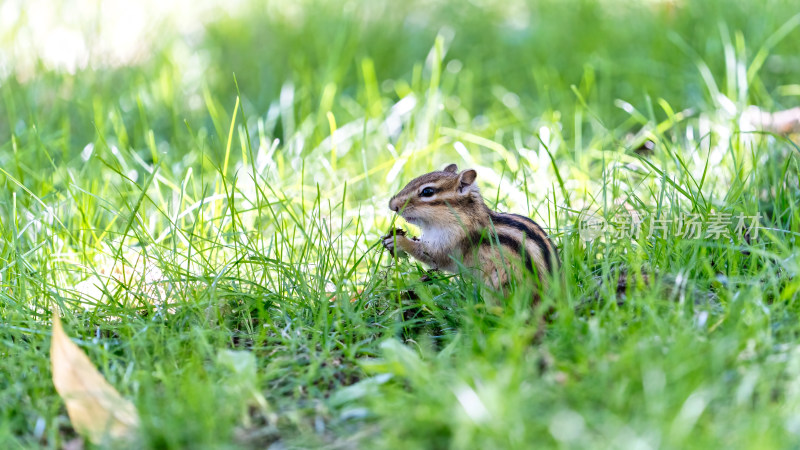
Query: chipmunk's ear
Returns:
{"type": "Point", "coordinates": [452, 168]}
{"type": "Point", "coordinates": [466, 179]}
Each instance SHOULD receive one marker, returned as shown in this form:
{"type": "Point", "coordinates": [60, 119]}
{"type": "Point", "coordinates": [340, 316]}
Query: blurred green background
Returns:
{"type": "Point", "coordinates": [370, 54]}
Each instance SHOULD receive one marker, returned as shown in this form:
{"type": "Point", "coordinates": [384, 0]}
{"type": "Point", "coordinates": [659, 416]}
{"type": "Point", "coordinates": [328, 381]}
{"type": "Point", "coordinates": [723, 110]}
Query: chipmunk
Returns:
{"type": "Point", "coordinates": [459, 229]}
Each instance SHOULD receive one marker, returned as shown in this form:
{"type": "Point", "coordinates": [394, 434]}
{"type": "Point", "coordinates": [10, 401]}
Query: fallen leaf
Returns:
{"type": "Point", "coordinates": [97, 411]}
{"type": "Point", "coordinates": [781, 122]}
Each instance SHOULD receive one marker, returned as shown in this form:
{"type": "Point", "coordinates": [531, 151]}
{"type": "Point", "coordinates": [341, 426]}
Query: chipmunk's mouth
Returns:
{"type": "Point", "coordinates": [412, 220]}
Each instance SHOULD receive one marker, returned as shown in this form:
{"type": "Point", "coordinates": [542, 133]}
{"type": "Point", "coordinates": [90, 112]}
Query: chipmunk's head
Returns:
{"type": "Point", "coordinates": [435, 197]}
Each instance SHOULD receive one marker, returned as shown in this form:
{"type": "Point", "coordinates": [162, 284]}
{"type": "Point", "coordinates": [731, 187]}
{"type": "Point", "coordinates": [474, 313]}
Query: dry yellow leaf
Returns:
{"type": "Point", "coordinates": [97, 411]}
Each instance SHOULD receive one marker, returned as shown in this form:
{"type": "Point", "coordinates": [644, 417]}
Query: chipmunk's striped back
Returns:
{"type": "Point", "coordinates": [522, 232]}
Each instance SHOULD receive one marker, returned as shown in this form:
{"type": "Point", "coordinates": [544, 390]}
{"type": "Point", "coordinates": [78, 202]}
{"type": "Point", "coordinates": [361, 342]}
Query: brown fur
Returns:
{"type": "Point", "coordinates": [458, 228]}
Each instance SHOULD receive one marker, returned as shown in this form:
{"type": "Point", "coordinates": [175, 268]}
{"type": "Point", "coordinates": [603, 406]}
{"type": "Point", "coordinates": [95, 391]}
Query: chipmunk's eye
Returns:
{"type": "Point", "coordinates": [427, 192]}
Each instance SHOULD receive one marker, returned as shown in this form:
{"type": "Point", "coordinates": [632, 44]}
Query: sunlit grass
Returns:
{"type": "Point", "coordinates": [231, 197]}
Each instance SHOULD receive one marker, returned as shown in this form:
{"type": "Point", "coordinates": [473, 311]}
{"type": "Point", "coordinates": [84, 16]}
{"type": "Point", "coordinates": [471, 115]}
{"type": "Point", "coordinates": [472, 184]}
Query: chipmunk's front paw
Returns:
{"type": "Point", "coordinates": [390, 239]}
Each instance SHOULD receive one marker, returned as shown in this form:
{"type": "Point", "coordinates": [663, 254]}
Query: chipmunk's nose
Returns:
{"type": "Point", "coordinates": [394, 204]}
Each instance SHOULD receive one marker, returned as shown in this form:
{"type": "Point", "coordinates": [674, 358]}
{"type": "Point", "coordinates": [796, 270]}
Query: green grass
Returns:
{"type": "Point", "coordinates": [218, 259]}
